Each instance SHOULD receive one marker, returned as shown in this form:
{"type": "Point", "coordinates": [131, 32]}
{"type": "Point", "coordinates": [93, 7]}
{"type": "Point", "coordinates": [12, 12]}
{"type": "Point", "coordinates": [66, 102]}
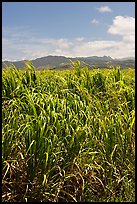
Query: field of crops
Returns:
{"type": "Point", "coordinates": [68, 135]}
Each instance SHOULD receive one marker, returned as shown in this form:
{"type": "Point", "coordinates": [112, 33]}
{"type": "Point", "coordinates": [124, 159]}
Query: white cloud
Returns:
{"type": "Point", "coordinates": [94, 21]}
{"type": "Point", "coordinates": [61, 43]}
{"type": "Point", "coordinates": [123, 26]}
{"type": "Point", "coordinates": [103, 9]}
{"type": "Point", "coordinates": [115, 49]}
{"type": "Point", "coordinates": [80, 39]}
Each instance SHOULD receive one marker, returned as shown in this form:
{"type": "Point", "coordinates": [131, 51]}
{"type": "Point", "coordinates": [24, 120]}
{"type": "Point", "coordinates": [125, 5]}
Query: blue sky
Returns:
{"type": "Point", "coordinates": [37, 29]}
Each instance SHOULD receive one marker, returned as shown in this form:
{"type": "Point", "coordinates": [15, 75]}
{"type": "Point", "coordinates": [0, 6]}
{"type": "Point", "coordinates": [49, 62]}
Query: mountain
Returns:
{"type": "Point", "coordinates": [40, 63]}
{"type": "Point", "coordinates": [62, 62]}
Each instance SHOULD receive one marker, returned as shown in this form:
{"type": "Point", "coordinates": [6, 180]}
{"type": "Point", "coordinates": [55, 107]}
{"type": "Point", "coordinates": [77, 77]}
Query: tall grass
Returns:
{"type": "Point", "coordinates": [68, 135]}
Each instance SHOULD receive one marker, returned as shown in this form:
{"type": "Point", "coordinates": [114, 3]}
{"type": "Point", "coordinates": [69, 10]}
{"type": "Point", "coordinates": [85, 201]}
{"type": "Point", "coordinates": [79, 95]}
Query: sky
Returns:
{"type": "Point", "coordinates": [73, 29]}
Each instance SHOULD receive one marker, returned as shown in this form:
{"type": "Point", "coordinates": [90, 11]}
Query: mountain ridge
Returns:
{"type": "Point", "coordinates": [56, 62]}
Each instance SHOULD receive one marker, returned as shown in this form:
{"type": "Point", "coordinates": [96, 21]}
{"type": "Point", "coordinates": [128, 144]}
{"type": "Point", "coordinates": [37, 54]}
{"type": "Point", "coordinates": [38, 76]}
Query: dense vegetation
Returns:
{"type": "Point", "coordinates": [68, 135]}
